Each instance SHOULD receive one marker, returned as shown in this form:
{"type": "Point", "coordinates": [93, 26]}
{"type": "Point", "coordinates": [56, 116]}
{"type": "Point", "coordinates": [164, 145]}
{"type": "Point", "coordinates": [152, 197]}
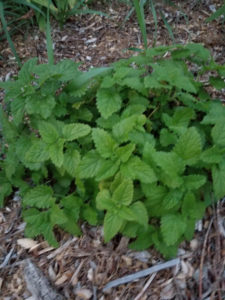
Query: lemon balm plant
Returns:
{"type": "Point", "coordinates": [140, 150]}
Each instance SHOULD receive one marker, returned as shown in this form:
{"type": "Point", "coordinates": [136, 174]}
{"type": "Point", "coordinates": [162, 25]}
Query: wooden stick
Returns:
{"type": "Point", "coordinates": [143, 273]}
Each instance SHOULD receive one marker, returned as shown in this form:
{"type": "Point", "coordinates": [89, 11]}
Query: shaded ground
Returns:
{"type": "Point", "coordinates": [80, 268]}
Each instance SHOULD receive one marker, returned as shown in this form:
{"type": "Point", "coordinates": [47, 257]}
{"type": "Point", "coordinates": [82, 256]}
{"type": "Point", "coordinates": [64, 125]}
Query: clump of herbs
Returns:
{"type": "Point", "coordinates": [138, 147]}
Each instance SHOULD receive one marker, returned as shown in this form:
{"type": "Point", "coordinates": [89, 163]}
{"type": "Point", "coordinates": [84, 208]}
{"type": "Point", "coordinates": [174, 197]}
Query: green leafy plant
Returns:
{"type": "Point", "coordinates": [140, 150]}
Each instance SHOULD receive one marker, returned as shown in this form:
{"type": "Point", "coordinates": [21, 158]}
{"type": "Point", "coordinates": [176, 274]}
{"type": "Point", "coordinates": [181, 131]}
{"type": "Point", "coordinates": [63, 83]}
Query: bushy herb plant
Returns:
{"type": "Point", "coordinates": [140, 150]}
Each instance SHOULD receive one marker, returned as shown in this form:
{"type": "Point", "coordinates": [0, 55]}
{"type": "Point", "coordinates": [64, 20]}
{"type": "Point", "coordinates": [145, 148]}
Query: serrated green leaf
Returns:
{"type": "Point", "coordinates": [56, 152]}
{"type": "Point", "coordinates": [9, 129]}
{"type": "Point", "coordinates": [104, 143]}
{"type": "Point", "coordinates": [173, 72]}
{"type": "Point", "coordinates": [189, 146]}
{"type": "Point", "coordinates": [57, 216]}
{"type": "Point", "coordinates": [133, 109]}
{"type": "Point", "coordinates": [192, 208]}
{"type": "Point", "coordinates": [152, 83]}
{"type": "Point", "coordinates": [107, 82]}
{"type": "Point", "coordinates": [37, 153]}
{"type": "Point", "coordinates": [75, 131]}
{"type": "Point", "coordinates": [123, 194]}
{"type": "Point", "coordinates": [172, 228]}
{"type": "Point", "coordinates": [71, 227]}
{"type": "Point", "coordinates": [40, 197]}
{"type": "Point", "coordinates": [212, 155]}
{"type": "Point", "coordinates": [48, 132]}
{"type": "Point", "coordinates": [72, 204]}
{"type": "Point", "coordinates": [216, 112]}
{"type": "Point", "coordinates": [135, 168]}
{"type": "Point", "coordinates": [170, 162]}
{"type": "Point", "coordinates": [218, 175]}
{"type": "Point", "coordinates": [180, 118]}
{"type": "Point", "coordinates": [71, 208]}
{"type": "Point", "coordinates": [167, 138]}
{"type": "Point", "coordinates": [25, 72]}
{"type": "Point", "coordinates": [109, 122]}
{"type": "Point", "coordinates": [126, 213]}
{"type": "Point", "coordinates": [194, 182]}
{"type": "Point", "coordinates": [198, 52]}
{"type": "Point", "coordinates": [38, 223]}
{"type": "Point", "coordinates": [134, 83]}
{"type": "Point", "coordinates": [40, 105]}
{"type": "Point", "coordinates": [5, 190]}
{"type": "Point", "coordinates": [218, 133]}
{"type": "Point", "coordinates": [217, 82]}
{"type": "Point", "coordinates": [130, 229]}
{"type": "Point", "coordinates": [108, 102]}
{"type": "Point", "coordinates": [108, 169]}
{"type": "Point", "coordinates": [172, 180]}
{"type": "Point", "coordinates": [90, 215]}
{"type": "Point", "coordinates": [71, 161]}
{"type": "Point", "coordinates": [90, 165]}
{"type": "Point", "coordinates": [122, 128]}
{"type": "Point", "coordinates": [173, 198]}
{"type": "Point", "coordinates": [23, 144]}
{"type": "Point", "coordinates": [10, 163]}
{"type": "Point", "coordinates": [144, 239]}
{"type": "Point", "coordinates": [190, 229]}
{"type": "Point", "coordinates": [140, 212]}
{"type": "Point", "coordinates": [167, 251]}
{"type": "Point", "coordinates": [140, 138]}
{"type": "Point", "coordinates": [112, 225]}
{"type": "Point", "coordinates": [154, 193]}
{"type": "Point", "coordinates": [17, 107]}
{"type": "Point", "coordinates": [124, 152]}
{"type": "Point", "coordinates": [104, 201]}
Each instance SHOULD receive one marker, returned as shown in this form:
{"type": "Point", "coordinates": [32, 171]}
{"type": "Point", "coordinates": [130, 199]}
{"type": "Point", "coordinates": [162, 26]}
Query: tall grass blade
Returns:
{"type": "Point", "coordinates": [139, 8]}
{"type": "Point", "coordinates": [4, 25]}
{"type": "Point", "coordinates": [155, 21]}
{"type": "Point", "coordinates": [49, 40]}
{"type": "Point", "coordinates": [167, 26]}
{"type": "Point", "coordinates": [217, 14]}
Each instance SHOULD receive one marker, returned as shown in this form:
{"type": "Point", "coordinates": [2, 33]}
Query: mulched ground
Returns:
{"type": "Point", "coordinates": [81, 267]}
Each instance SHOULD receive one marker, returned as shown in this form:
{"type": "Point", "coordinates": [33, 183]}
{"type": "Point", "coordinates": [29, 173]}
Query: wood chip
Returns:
{"type": "Point", "coordinates": [26, 243]}
{"type": "Point", "coordinates": [84, 294]}
{"type": "Point", "coordinates": [61, 279]}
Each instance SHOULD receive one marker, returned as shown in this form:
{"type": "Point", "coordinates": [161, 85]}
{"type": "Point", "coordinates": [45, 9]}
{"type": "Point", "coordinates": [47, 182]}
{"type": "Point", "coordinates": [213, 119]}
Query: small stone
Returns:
{"type": "Point", "coordinates": [194, 244]}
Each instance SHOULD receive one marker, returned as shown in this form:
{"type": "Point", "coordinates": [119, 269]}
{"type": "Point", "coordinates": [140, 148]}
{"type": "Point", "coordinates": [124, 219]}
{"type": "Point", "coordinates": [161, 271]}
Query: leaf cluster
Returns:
{"type": "Point", "coordinates": [138, 147]}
